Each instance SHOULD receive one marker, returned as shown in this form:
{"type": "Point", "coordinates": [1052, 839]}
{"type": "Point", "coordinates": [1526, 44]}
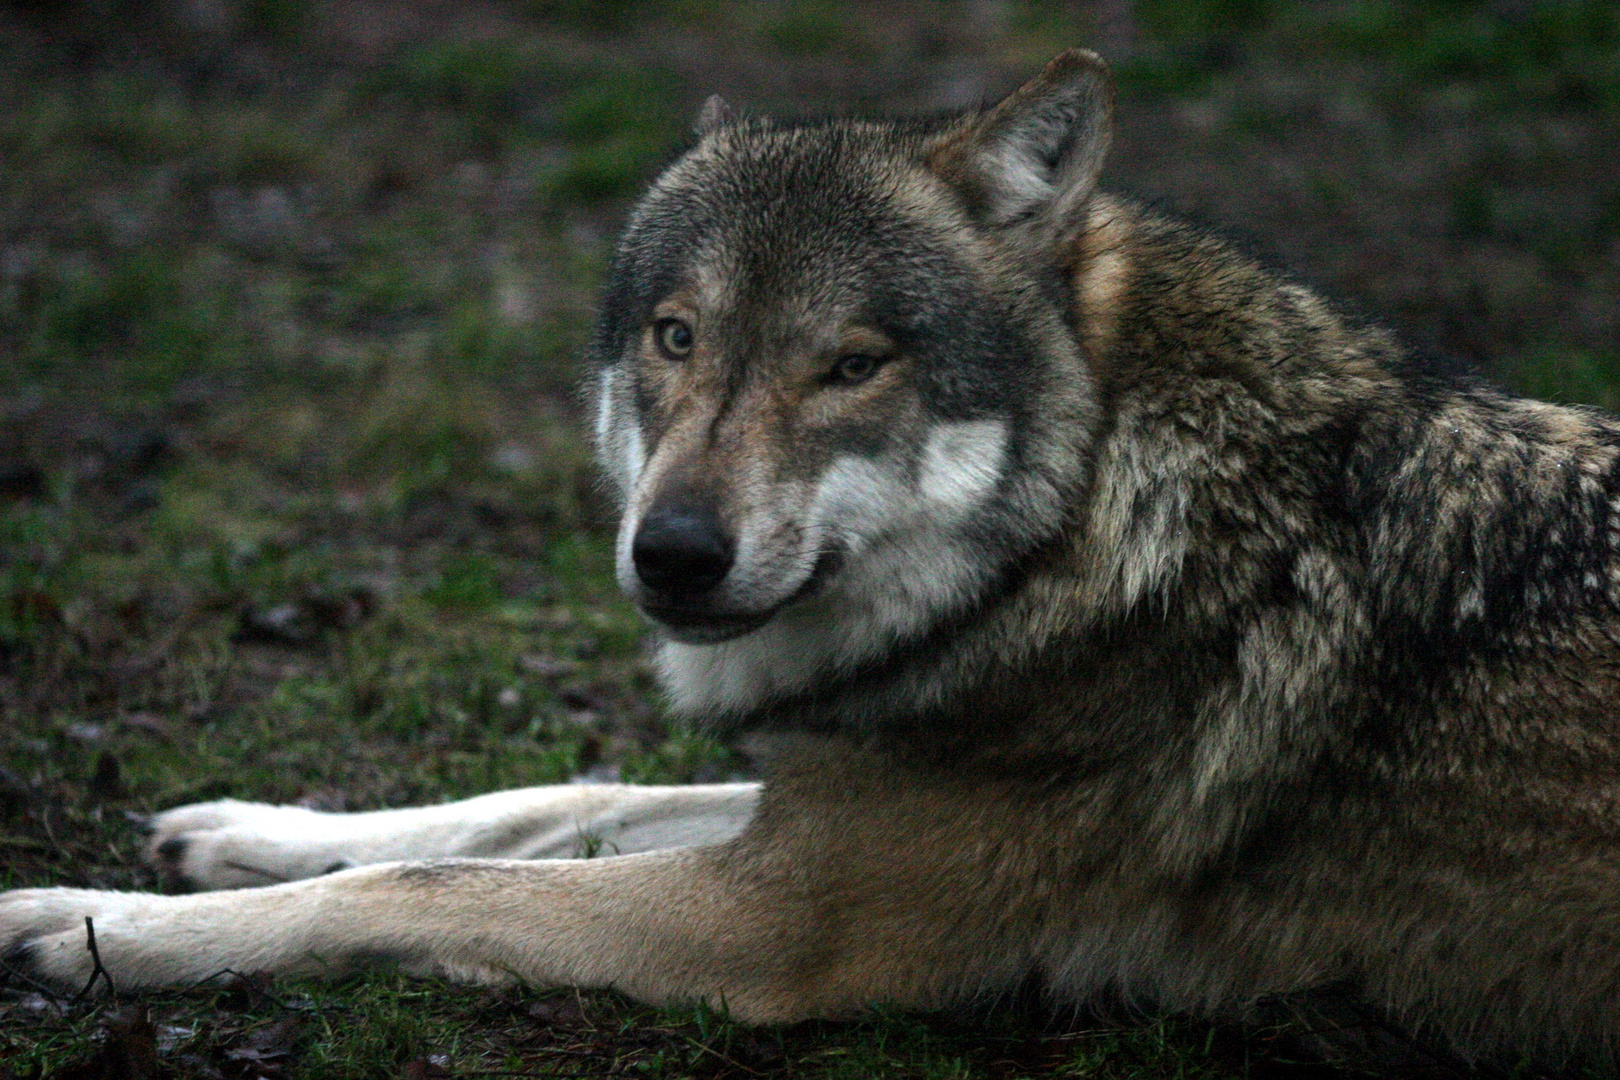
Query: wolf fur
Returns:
{"type": "Point", "coordinates": [1123, 615]}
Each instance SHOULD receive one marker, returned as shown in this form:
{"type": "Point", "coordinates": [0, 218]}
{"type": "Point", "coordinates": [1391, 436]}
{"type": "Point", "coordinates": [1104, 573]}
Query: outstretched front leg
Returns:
{"type": "Point", "coordinates": [850, 890]}
{"type": "Point", "coordinates": [229, 844]}
{"type": "Point", "coordinates": [586, 922]}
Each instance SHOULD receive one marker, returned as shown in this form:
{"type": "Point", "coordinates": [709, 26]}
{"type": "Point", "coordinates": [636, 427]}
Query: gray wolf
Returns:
{"type": "Point", "coordinates": [1120, 614]}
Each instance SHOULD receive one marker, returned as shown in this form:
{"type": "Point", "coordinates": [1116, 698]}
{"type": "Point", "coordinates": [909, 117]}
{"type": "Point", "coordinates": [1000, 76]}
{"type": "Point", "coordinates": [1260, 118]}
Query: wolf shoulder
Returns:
{"type": "Point", "coordinates": [1484, 506]}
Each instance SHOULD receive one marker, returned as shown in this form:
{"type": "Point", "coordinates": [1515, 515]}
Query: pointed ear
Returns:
{"type": "Point", "coordinates": [714, 114]}
{"type": "Point", "coordinates": [1035, 157]}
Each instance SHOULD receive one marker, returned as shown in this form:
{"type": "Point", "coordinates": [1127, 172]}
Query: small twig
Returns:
{"type": "Point", "coordinates": [98, 971]}
{"type": "Point", "coordinates": [252, 985]}
{"type": "Point", "coordinates": [50, 834]}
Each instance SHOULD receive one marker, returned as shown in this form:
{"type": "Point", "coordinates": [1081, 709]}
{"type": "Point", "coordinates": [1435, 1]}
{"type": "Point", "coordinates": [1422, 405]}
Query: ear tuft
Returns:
{"type": "Point", "coordinates": [714, 115]}
{"type": "Point", "coordinates": [1036, 156]}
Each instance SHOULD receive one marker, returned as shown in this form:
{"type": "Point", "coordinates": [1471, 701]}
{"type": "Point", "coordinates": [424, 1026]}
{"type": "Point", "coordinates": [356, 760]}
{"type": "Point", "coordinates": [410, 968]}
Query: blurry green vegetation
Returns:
{"type": "Point", "coordinates": [295, 503]}
{"type": "Point", "coordinates": [1559, 51]}
{"type": "Point", "coordinates": [1569, 376]}
{"type": "Point", "coordinates": [808, 27]}
{"type": "Point", "coordinates": [1562, 51]}
{"type": "Point", "coordinates": [596, 16]}
{"type": "Point", "coordinates": [486, 76]}
{"type": "Point", "coordinates": [618, 129]}
{"type": "Point", "coordinates": [1185, 43]}
{"type": "Point", "coordinates": [614, 125]}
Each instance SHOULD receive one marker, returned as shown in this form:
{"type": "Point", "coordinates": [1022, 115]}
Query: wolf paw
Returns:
{"type": "Point", "coordinates": [45, 943]}
{"type": "Point", "coordinates": [233, 845]}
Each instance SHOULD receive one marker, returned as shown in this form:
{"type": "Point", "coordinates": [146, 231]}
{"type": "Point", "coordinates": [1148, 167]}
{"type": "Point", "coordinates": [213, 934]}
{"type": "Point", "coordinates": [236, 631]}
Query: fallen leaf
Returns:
{"type": "Point", "coordinates": [557, 1012]}
{"type": "Point", "coordinates": [128, 1052]}
{"type": "Point", "coordinates": [431, 1067]}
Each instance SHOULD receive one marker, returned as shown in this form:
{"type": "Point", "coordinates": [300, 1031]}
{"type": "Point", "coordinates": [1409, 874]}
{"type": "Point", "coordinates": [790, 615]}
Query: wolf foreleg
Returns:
{"type": "Point", "coordinates": [713, 923]}
{"type": "Point", "coordinates": [229, 844]}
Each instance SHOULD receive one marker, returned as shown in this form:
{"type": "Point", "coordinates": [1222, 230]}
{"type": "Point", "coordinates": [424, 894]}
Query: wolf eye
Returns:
{"type": "Point", "coordinates": [674, 337]}
{"type": "Point", "coordinates": [852, 369]}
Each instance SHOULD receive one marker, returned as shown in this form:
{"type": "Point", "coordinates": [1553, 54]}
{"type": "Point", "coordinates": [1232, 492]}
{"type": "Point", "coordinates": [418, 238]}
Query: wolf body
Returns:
{"type": "Point", "coordinates": [1120, 614]}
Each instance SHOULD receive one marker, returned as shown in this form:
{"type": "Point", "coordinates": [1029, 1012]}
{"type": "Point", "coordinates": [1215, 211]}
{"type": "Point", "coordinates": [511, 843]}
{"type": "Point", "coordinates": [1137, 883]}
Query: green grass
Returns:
{"type": "Point", "coordinates": [1565, 53]}
{"type": "Point", "coordinates": [808, 27]}
{"type": "Point", "coordinates": [295, 502]}
{"type": "Point", "coordinates": [308, 1030]}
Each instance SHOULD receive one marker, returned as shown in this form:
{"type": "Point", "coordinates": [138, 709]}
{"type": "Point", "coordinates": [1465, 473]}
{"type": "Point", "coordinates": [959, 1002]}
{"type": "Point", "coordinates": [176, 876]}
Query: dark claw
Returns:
{"type": "Point", "coordinates": [16, 969]}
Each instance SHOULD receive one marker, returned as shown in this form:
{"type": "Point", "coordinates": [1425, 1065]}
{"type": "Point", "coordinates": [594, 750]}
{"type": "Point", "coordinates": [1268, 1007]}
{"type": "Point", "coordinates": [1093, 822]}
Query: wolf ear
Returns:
{"type": "Point", "coordinates": [714, 114]}
{"type": "Point", "coordinates": [1035, 157]}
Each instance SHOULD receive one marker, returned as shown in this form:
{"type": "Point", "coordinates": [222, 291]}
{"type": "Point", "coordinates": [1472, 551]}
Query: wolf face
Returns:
{"type": "Point", "coordinates": [816, 357]}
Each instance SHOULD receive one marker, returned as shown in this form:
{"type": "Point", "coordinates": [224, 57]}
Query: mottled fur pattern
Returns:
{"type": "Point", "coordinates": [1122, 614]}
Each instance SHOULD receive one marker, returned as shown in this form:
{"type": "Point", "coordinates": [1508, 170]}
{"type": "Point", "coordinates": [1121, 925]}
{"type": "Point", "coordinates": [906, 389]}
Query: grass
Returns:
{"type": "Point", "coordinates": [295, 504]}
{"type": "Point", "coordinates": [415, 1027]}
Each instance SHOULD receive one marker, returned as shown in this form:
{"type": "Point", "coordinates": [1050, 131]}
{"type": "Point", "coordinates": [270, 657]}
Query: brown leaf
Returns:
{"type": "Point", "coordinates": [301, 621]}
{"type": "Point", "coordinates": [557, 1012]}
{"type": "Point", "coordinates": [342, 611]}
{"type": "Point", "coordinates": [265, 1051]}
{"type": "Point", "coordinates": [426, 1068]}
{"type": "Point", "coordinates": [245, 990]}
{"type": "Point", "coordinates": [271, 1041]}
{"type": "Point", "coordinates": [128, 1052]}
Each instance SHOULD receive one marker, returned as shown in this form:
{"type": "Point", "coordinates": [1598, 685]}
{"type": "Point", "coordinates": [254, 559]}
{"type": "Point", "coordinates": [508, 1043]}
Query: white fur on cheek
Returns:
{"type": "Point", "coordinates": [604, 406]}
{"type": "Point", "coordinates": [962, 463]}
{"type": "Point", "coordinates": [618, 435]}
{"type": "Point", "coordinates": [629, 459]}
{"type": "Point", "coordinates": [858, 500]}
{"type": "Point", "coordinates": [622, 451]}
{"type": "Point", "coordinates": [908, 565]}
{"type": "Point", "coordinates": [633, 454]}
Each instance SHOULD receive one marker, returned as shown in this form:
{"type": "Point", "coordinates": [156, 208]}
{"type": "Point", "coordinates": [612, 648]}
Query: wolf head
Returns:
{"type": "Point", "coordinates": [838, 393]}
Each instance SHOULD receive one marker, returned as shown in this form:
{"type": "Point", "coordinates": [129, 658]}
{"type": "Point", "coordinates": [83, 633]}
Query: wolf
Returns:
{"type": "Point", "coordinates": [1118, 614]}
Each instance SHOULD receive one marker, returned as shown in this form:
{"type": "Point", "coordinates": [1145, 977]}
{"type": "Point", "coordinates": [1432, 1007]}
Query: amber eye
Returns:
{"type": "Point", "coordinates": [853, 368]}
{"type": "Point", "coordinates": [674, 337]}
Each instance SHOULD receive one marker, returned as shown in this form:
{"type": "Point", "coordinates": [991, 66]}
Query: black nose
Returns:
{"type": "Point", "coordinates": [681, 552]}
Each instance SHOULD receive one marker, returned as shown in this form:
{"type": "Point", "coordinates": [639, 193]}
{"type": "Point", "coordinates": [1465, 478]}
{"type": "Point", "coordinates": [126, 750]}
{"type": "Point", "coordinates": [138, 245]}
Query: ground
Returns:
{"type": "Point", "coordinates": [295, 503]}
